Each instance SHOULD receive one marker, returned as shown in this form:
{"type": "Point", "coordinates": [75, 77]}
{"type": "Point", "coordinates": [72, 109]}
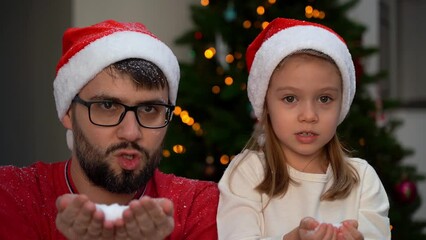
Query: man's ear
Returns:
{"type": "Point", "coordinates": [66, 120]}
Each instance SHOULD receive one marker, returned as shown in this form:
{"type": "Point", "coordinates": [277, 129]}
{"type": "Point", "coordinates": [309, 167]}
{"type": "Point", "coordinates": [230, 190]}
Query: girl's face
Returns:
{"type": "Point", "coordinates": [303, 102]}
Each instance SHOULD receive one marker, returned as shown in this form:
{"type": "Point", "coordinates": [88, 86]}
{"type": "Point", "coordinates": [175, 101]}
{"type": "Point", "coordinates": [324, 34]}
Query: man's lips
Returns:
{"type": "Point", "coordinates": [128, 159]}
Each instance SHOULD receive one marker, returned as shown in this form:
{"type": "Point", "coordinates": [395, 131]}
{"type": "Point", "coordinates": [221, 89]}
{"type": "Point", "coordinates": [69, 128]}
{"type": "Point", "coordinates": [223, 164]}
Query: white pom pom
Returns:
{"type": "Point", "coordinates": [70, 139]}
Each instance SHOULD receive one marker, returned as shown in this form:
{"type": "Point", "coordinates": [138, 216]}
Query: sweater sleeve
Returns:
{"type": "Point", "coordinates": [15, 208]}
{"type": "Point", "coordinates": [201, 218]}
{"type": "Point", "coordinates": [240, 205]}
{"type": "Point", "coordinates": [374, 206]}
{"type": "Point", "coordinates": [195, 205]}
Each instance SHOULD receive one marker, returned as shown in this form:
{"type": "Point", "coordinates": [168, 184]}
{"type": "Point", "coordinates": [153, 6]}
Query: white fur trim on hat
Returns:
{"type": "Point", "coordinates": [92, 59]}
{"type": "Point", "coordinates": [292, 39]}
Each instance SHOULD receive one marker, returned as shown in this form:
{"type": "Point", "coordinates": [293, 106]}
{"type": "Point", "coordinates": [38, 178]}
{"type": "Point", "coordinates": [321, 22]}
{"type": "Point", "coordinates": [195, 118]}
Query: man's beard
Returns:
{"type": "Point", "coordinates": [98, 171]}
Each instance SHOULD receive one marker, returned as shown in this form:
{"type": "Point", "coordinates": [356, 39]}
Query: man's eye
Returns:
{"type": "Point", "coordinates": [106, 105]}
{"type": "Point", "coordinates": [149, 109]}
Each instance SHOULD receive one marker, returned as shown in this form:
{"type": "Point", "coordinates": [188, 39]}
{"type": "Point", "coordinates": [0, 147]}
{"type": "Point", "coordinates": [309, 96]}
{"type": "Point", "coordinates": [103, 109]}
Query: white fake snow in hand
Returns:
{"type": "Point", "coordinates": [113, 211]}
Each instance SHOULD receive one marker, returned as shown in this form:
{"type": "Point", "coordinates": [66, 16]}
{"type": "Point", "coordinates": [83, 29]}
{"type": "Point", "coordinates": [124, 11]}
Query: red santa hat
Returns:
{"type": "Point", "coordinates": [87, 51]}
{"type": "Point", "coordinates": [283, 37]}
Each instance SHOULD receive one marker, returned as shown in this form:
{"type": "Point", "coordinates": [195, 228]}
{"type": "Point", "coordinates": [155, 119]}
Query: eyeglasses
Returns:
{"type": "Point", "coordinates": [108, 113]}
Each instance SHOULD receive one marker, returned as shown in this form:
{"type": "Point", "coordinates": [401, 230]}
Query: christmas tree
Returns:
{"type": "Point", "coordinates": [214, 120]}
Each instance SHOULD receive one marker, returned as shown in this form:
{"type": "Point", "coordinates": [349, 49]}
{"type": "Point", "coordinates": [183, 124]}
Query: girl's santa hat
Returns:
{"type": "Point", "coordinates": [87, 51]}
{"type": "Point", "coordinates": [283, 37]}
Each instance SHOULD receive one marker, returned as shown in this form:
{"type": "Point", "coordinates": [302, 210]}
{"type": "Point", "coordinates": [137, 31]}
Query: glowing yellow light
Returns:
{"type": "Point", "coordinates": [177, 110]}
{"type": "Point", "coordinates": [260, 10]}
{"type": "Point", "coordinates": [184, 116]}
{"type": "Point", "coordinates": [322, 15]}
{"type": "Point", "coordinates": [190, 121]}
{"type": "Point", "coordinates": [309, 9]}
{"type": "Point", "coordinates": [246, 24]}
{"type": "Point", "coordinates": [196, 126]}
{"type": "Point", "coordinates": [316, 13]}
{"type": "Point", "coordinates": [166, 153]}
{"type": "Point", "coordinates": [204, 3]}
{"type": "Point", "coordinates": [238, 55]}
{"type": "Point", "coordinates": [362, 141]}
{"type": "Point", "coordinates": [199, 132]}
{"type": "Point", "coordinates": [265, 24]}
{"type": "Point", "coordinates": [308, 15]}
{"type": "Point", "coordinates": [229, 81]}
{"type": "Point", "coordinates": [229, 58]}
{"type": "Point", "coordinates": [208, 54]}
{"type": "Point", "coordinates": [216, 89]}
{"type": "Point", "coordinates": [178, 149]}
{"type": "Point", "coordinates": [209, 159]}
{"type": "Point", "coordinates": [224, 159]}
{"type": "Point", "coordinates": [184, 113]}
{"type": "Point", "coordinates": [185, 119]}
{"type": "Point", "coordinates": [272, 1]}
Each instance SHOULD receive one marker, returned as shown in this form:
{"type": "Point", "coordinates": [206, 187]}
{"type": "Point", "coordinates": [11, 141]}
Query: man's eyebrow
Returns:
{"type": "Point", "coordinates": [153, 101]}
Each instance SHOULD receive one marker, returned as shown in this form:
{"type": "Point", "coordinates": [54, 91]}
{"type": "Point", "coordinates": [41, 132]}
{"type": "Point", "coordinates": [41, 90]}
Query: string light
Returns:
{"type": "Point", "coordinates": [196, 127]}
{"type": "Point", "coordinates": [309, 9]}
{"type": "Point", "coordinates": [260, 10]}
{"type": "Point", "coordinates": [199, 132]}
{"type": "Point", "coordinates": [315, 13]}
{"type": "Point", "coordinates": [198, 35]}
{"type": "Point", "coordinates": [179, 149]}
{"type": "Point", "coordinates": [272, 1]}
{"type": "Point", "coordinates": [209, 159]}
{"type": "Point", "coordinates": [177, 110]}
{"type": "Point", "coordinates": [246, 24]}
{"type": "Point", "coordinates": [204, 3]}
{"type": "Point", "coordinates": [362, 142]}
{"type": "Point", "coordinates": [229, 58]}
{"type": "Point", "coordinates": [166, 153]}
{"type": "Point", "coordinates": [229, 81]}
{"type": "Point", "coordinates": [224, 159]}
{"type": "Point", "coordinates": [216, 89]}
{"type": "Point", "coordinates": [265, 24]}
{"type": "Point", "coordinates": [210, 52]}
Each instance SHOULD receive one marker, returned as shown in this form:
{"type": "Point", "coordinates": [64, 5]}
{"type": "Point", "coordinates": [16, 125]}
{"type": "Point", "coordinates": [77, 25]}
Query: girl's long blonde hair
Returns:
{"type": "Point", "coordinates": [277, 178]}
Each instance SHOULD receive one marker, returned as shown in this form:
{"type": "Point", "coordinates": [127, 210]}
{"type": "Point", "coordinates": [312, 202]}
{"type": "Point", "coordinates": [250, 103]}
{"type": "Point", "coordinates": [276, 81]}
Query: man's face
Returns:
{"type": "Point", "coordinates": [122, 158]}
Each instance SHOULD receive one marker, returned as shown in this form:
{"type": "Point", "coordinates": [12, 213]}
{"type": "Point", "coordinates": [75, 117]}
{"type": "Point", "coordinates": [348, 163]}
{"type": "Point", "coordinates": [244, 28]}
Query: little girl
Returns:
{"type": "Point", "coordinates": [293, 180]}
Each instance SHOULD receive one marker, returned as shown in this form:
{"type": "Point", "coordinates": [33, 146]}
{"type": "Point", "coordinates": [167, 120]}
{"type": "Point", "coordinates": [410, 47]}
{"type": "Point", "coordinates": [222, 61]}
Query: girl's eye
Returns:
{"type": "Point", "coordinates": [325, 99]}
{"type": "Point", "coordinates": [289, 99]}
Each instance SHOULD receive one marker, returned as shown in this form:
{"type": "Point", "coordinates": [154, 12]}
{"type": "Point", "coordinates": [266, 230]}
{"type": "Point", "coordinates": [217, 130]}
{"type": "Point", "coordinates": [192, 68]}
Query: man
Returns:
{"type": "Point", "coordinates": [115, 90]}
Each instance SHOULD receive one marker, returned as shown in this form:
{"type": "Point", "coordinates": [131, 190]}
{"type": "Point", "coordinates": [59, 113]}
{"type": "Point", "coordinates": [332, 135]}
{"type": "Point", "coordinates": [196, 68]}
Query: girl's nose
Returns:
{"type": "Point", "coordinates": [308, 113]}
